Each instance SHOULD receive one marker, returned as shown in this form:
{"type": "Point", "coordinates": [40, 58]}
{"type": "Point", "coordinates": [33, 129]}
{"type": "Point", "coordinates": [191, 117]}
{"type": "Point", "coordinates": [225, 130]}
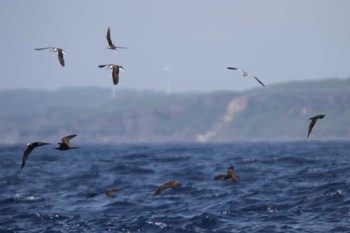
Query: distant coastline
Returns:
{"type": "Point", "coordinates": [278, 112]}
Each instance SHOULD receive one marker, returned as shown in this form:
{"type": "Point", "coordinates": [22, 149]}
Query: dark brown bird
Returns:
{"type": "Point", "coordinates": [171, 184]}
{"type": "Point", "coordinates": [313, 122]}
{"type": "Point", "coordinates": [229, 175]}
{"type": "Point", "coordinates": [59, 52]}
{"type": "Point", "coordinates": [110, 43]}
{"type": "Point", "coordinates": [110, 193]}
{"type": "Point", "coordinates": [245, 74]}
{"type": "Point", "coordinates": [115, 71]}
{"type": "Point", "coordinates": [30, 148]}
{"type": "Point", "coordinates": [65, 145]}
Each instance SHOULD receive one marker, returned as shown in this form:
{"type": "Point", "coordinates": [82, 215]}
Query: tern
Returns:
{"type": "Point", "coordinates": [30, 148]}
{"type": "Point", "coordinates": [115, 72]}
{"type": "Point", "coordinates": [59, 52]}
{"type": "Point", "coordinates": [313, 122]}
{"type": "Point", "coordinates": [229, 175]}
{"type": "Point", "coordinates": [110, 43]}
{"type": "Point", "coordinates": [245, 74]}
{"type": "Point", "coordinates": [171, 184]}
{"type": "Point", "coordinates": [65, 144]}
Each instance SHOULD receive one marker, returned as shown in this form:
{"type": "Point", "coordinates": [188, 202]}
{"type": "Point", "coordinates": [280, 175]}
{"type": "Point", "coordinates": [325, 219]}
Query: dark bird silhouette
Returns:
{"type": "Point", "coordinates": [65, 144]}
{"type": "Point", "coordinates": [171, 184]}
{"type": "Point", "coordinates": [245, 74]}
{"type": "Point", "coordinates": [313, 122]}
{"type": "Point", "coordinates": [229, 175]}
{"type": "Point", "coordinates": [59, 52]}
{"type": "Point", "coordinates": [110, 193]}
{"type": "Point", "coordinates": [110, 43]}
{"type": "Point", "coordinates": [115, 71]}
{"type": "Point", "coordinates": [29, 149]}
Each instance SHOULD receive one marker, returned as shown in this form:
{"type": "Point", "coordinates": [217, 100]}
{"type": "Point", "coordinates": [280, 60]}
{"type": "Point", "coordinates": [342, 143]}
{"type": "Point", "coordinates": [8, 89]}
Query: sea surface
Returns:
{"type": "Point", "coordinates": [299, 186]}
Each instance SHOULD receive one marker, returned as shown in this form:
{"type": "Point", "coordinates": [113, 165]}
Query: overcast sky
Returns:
{"type": "Point", "coordinates": [189, 41]}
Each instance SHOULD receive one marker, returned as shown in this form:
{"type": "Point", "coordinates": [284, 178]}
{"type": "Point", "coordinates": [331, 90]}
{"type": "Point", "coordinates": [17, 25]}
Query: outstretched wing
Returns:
{"type": "Point", "coordinates": [258, 80]}
{"type": "Point", "coordinates": [119, 47]}
{"type": "Point", "coordinates": [44, 48]}
{"type": "Point", "coordinates": [109, 40]}
{"type": "Point", "coordinates": [312, 124]}
{"type": "Point", "coordinates": [101, 66]}
{"type": "Point", "coordinates": [26, 153]}
{"type": "Point", "coordinates": [60, 57]}
{"type": "Point", "coordinates": [65, 140]}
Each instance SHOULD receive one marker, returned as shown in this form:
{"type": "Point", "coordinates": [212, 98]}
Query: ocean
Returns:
{"type": "Point", "coordinates": [301, 186]}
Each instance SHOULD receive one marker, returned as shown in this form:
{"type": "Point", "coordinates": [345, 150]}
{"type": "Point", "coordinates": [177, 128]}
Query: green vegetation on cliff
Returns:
{"type": "Point", "coordinates": [277, 112]}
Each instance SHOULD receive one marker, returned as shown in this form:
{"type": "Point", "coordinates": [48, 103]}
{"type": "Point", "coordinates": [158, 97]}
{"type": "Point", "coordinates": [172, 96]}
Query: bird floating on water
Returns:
{"type": "Point", "coordinates": [110, 193]}
{"type": "Point", "coordinates": [245, 74]}
{"type": "Point", "coordinates": [30, 148]}
{"type": "Point", "coordinates": [65, 144]}
{"type": "Point", "coordinates": [313, 122]}
{"type": "Point", "coordinates": [229, 175]}
{"type": "Point", "coordinates": [110, 43]}
{"type": "Point", "coordinates": [59, 52]}
{"type": "Point", "coordinates": [171, 184]}
{"type": "Point", "coordinates": [115, 71]}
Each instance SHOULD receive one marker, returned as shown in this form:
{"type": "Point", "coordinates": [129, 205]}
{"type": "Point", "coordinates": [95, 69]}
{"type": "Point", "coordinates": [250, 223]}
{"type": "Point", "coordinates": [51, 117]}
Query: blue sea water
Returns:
{"type": "Point", "coordinates": [284, 187]}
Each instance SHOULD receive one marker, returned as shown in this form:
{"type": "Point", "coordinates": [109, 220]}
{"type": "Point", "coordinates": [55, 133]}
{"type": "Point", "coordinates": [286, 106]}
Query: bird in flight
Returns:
{"type": "Point", "coordinates": [229, 175]}
{"type": "Point", "coordinates": [115, 71]}
{"type": "Point", "coordinates": [171, 184]}
{"type": "Point", "coordinates": [65, 144]}
{"type": "Point", "coordinates": [59, 52]}
{"type": "Point", "coordinates": [29, 149]}
{"type": "Point", "coordinates": [110, 43]}
{"type": "Point", "coordinates": [245, 74]}
{"type": "Point", "coordinates": [313, 122]}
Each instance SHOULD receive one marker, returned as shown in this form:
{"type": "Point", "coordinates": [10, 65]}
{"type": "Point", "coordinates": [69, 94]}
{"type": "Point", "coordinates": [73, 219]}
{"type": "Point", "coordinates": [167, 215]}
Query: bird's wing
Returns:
{"type": "Point", "coordinates": [110, 43]}
{"type": "Point", "coordinates": [312, 124]}
{"type": "Point", "coordinates": [258, 80]}
{"type": "Point", "coordinates": [242, 71]}
{"type": "Point", "coordinates": [65, 140]}
{"type": "Point", "coordinates": [219, 177]}
{"type": "Point", "coordinates": [44, 48]}
{"type": "Point", "coordinates": [60, 57]}
{"type": "Point", "coordinates": [162, 188]}
{"type": "Point", "coordinates": [115, 75]}
{"type": "Point", "coordinates": [119, 47]}
{"type": "Point", "coordinates": [26, 154]}
{"type": "Point", "coordinates": [101, 66]}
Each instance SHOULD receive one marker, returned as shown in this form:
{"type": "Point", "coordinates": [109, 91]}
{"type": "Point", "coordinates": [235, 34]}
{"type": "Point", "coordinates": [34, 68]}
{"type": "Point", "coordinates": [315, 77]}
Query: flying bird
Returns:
{"type": "Point", "coordinates": [171, 184]}
{"type": "Point", "coordinates": [245, 74]}
{"type": "Point", "coordinates": [30, 148]}
{"type": "Point", "coordinates": [110, 43]}
{"type": "Point", "coordinates": [115, 71]}
{"type": "Point", "coordinates": [229, 175]}
{"type": "Point", "coordinates": [65, 145]}
{"type": "Point", "coordinates": [313, 122]}
{"type": "Point", "coordinates": [59, 52]}
{"type": "Point", "coordinates": [110, 193]}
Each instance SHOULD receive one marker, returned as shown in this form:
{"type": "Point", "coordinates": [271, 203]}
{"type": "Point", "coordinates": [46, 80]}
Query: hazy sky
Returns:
{"type": "Point", "coordinates": [195, 40]}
